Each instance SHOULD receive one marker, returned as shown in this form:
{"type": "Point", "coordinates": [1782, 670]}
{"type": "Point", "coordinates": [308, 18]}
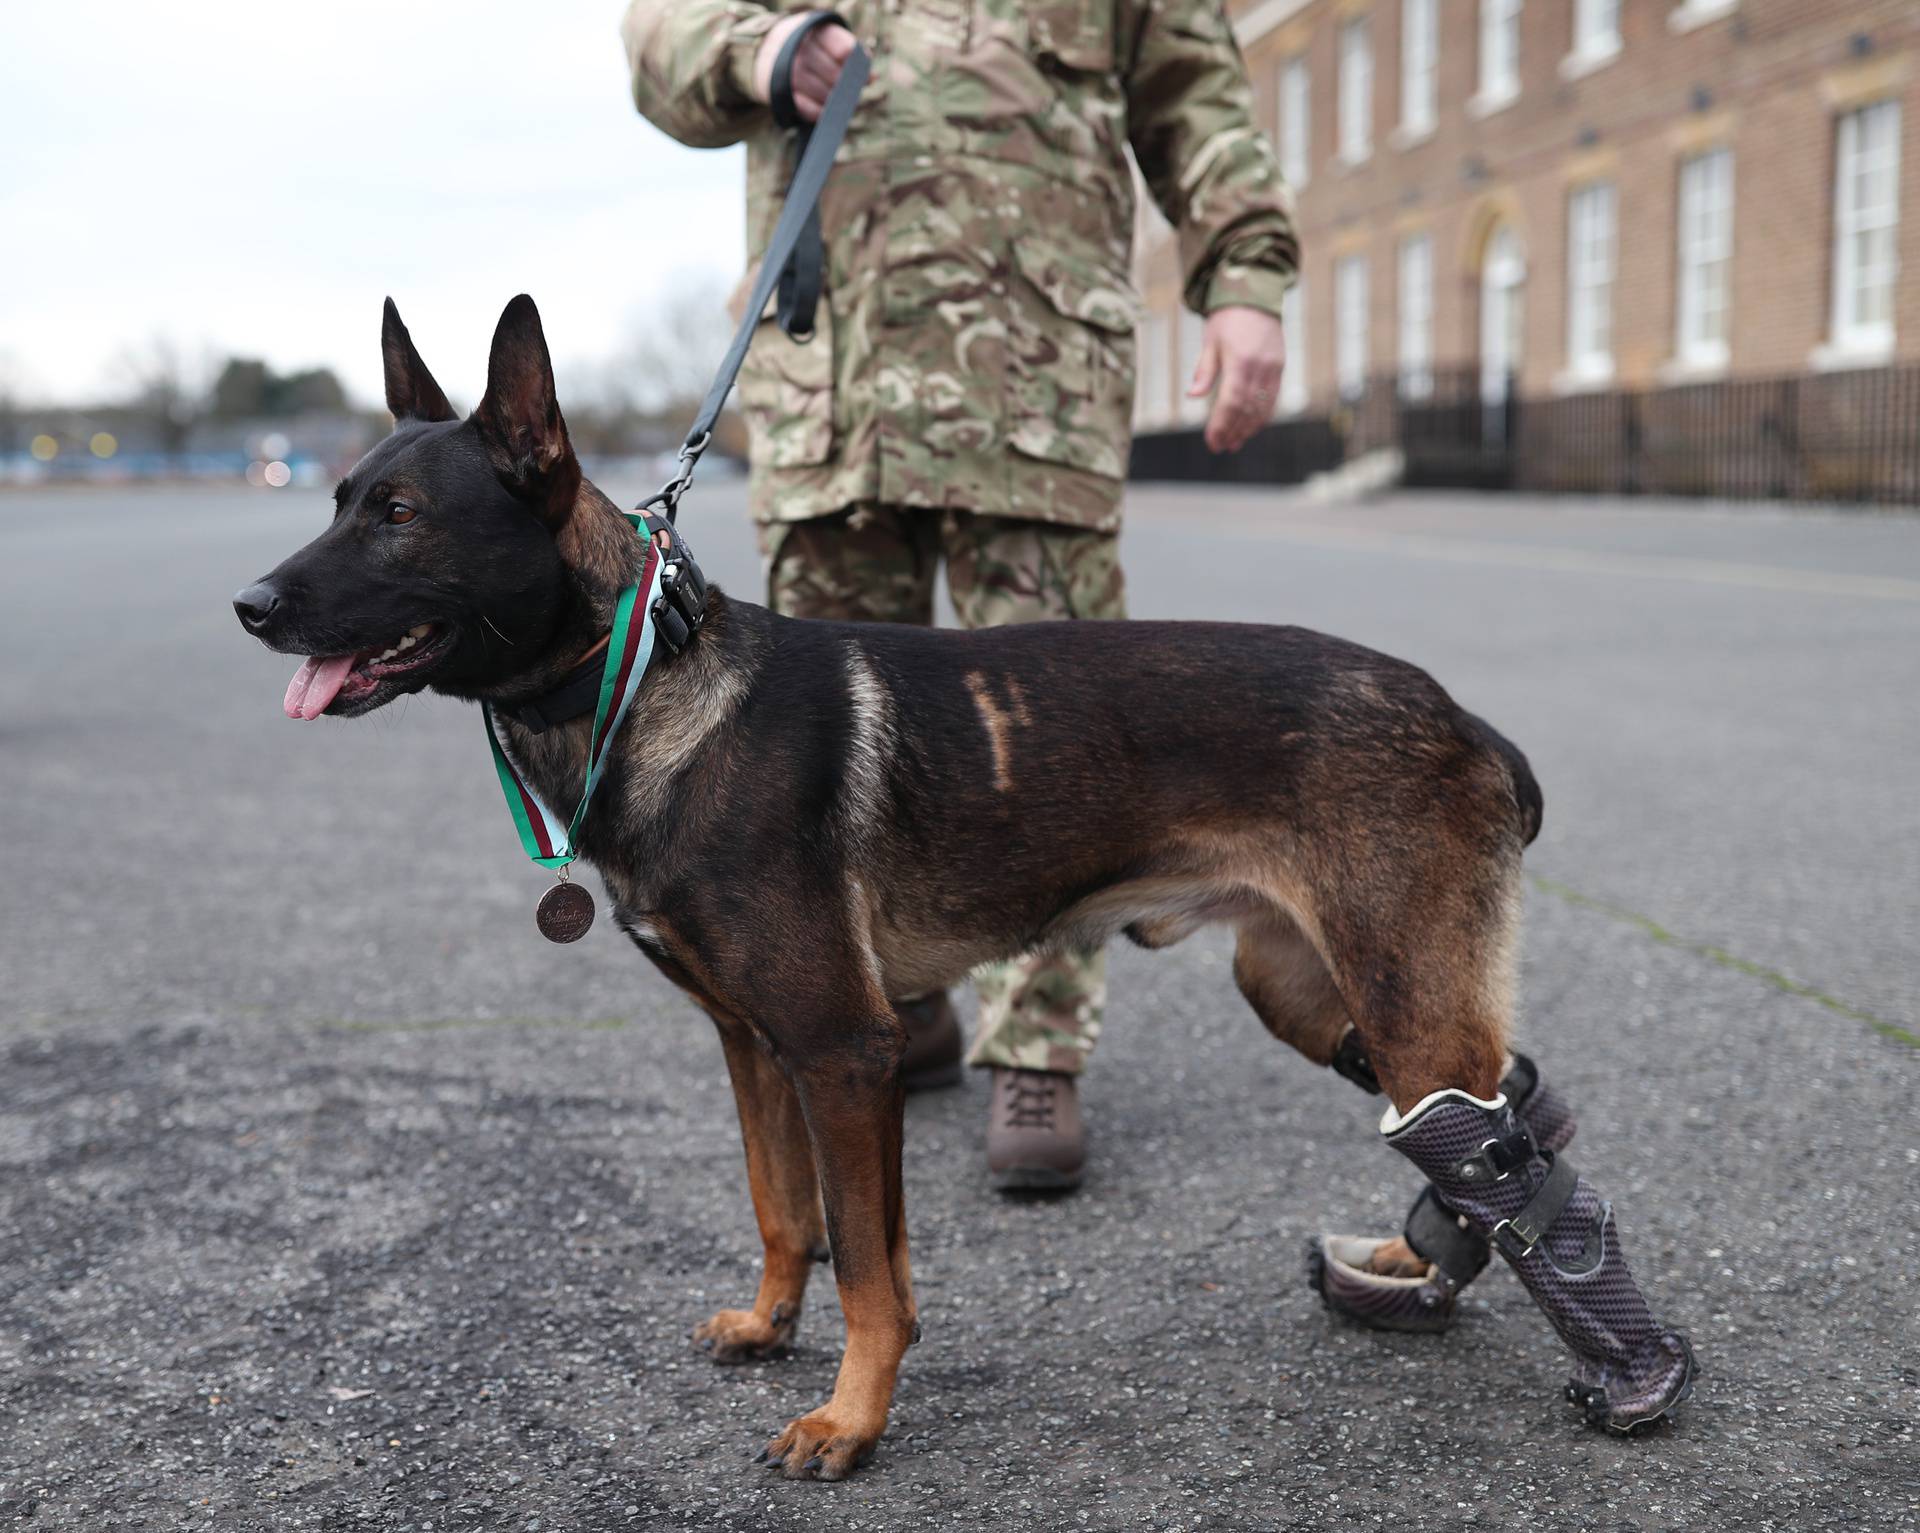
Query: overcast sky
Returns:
{"type": "Point", "coordinates": [254, 178]}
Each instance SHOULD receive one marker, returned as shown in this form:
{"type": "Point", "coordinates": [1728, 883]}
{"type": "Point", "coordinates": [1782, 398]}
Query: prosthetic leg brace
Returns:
{"type": "Point", "coordinates": [1558, 1236]}
{"type": "Point", "coordinates": [1337, 1265]}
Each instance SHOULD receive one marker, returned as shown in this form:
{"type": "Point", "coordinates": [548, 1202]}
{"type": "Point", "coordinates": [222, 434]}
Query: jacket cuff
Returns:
{"type": "Point", "coordinates": [743, 47]}
{"type": "Point", "coordinates": [1249, 285]}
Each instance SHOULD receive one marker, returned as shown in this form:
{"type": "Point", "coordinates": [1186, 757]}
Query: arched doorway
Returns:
{"type": "Point", "coordinates": [1503, 285]}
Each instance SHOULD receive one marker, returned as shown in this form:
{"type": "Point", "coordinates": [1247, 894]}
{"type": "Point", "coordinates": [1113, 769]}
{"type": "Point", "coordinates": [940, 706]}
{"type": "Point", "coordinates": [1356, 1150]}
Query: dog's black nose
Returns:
{"type": "Point", "coordinates": [256, 605]}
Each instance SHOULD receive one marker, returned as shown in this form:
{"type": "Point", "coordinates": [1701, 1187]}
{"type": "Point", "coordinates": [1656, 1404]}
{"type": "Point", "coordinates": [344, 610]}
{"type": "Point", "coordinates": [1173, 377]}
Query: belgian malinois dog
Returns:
{"type": "Point", "coordinates": [803, 821]}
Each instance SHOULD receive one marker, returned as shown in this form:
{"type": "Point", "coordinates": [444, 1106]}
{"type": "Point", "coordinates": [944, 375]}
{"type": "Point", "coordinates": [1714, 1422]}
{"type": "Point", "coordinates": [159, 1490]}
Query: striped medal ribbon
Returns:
{"type": "Point", "coordinates": [566, 910]}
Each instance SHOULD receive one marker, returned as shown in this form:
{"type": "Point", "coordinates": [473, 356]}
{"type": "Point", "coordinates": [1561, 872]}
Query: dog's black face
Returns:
{"type": "Point", "coordinates": [440, 567]}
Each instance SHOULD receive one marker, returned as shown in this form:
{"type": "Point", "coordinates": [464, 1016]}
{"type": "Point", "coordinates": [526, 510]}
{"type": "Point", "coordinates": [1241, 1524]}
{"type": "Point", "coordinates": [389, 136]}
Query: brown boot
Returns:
{"type": "Point", "coordinates": [933, 1042]}
{"type": "Point", "coordinates": [1034, 1136]}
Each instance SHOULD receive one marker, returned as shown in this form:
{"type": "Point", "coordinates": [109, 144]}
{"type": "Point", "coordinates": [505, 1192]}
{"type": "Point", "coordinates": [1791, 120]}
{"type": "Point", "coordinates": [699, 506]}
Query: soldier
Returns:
{"type": "Point", "coordinates": [967, 394]}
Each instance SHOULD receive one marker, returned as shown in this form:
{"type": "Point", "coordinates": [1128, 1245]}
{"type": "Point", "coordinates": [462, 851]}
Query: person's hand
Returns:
{"type": "Point", "coordinates": [1243, 352]}
{"type": "Point", "coordinates": [815, 67]}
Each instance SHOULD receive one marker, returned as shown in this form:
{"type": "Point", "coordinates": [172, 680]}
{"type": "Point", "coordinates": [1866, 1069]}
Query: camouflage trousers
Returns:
{"type": "Point", "coordinates": [877, 564]}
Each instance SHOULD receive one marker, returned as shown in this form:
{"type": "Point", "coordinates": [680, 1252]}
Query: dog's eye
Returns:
{"type": "Point", "coordinates": [400, 513]}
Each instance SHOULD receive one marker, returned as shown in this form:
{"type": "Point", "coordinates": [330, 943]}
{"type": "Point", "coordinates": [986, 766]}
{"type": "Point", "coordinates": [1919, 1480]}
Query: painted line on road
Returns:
{"type": "Point", "coordinates": [1720, 956]}
{"type": "Point", "coordinates": [1765, 577]}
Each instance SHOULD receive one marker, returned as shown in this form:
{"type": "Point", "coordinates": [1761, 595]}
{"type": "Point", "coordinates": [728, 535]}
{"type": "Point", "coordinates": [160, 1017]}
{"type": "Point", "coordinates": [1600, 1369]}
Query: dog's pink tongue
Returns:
{"type": "Point", "coordinates": [315, 685]}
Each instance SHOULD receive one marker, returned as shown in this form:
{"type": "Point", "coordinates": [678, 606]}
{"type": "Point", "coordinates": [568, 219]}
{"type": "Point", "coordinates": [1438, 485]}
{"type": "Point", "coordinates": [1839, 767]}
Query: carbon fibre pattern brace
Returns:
{"type": "Point", "coordinates": [1338, 1266]}
{"type": "Point", "coordinates": [1558, 1235]}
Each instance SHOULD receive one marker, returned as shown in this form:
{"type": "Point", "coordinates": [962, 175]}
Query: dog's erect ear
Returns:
{"type": "Point", "coordinates": [520, 418]}
{"type": "Point", "coordinates": [411, 392]}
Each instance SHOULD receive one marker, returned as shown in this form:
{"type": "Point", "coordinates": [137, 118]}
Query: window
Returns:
{"type": "Point", "coordinates": [1706, 260]}
{"type": "Point", "coordinates": [1499, 53]}
{"type": "Point", "coordinates": [1293, 319]}
{"type": "Point", "coordinates": [1193, 334]}
{"type": "Point", "coordinates": [1866, 228]}
{"type": "Point", "coordinates": [1596, 28]}
{"type": "Point", "coordinates": [1419, 65]}
{"type": "Point", "coordinates": [1153, 400]}
{"type": "Point", "coordinates": [1296, 162]}
{"type": "Point", "coordinates": [1356, 92]}
{"type": "Point", "coordinates": [1350, 325]}
{"type": "Point", "coordinates": [1590, 225]}
{"type": "Point", "coordinates": [1416, 317]}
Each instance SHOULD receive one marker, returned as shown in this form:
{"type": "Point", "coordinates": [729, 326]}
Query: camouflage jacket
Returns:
{"type": "Point", "coordinates": [975, 346]}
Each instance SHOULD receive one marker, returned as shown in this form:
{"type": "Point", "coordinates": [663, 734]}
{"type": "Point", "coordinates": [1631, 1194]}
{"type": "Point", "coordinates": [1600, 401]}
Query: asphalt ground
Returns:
{"type": "Point", "coordinates": [331, 1197]}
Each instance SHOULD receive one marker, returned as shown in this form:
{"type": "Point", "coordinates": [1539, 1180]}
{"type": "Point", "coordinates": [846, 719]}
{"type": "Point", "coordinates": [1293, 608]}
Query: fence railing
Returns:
{"type": "Point", "coordinates": [1844, 436]}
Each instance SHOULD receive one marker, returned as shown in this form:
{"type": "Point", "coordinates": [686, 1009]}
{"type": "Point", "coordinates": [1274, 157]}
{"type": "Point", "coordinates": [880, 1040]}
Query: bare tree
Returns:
{"type": "Point", "coordinates": [166, 390]}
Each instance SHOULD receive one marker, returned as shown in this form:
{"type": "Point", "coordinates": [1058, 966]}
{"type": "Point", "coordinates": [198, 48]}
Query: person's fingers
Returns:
{"type": "Point", "coordinates": [809, 86]}
{"type": "Point", "coordinates": [837, 41]}
{"type": "Point", "coordinates": [816, 68]}
{"type": "Point", "coordinates": [1207, 371]}
{"type": "Point", "coordinates": [1243, 405]}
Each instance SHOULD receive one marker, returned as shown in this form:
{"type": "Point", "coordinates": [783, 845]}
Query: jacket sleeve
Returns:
{"type": "Point", "coordinates": [1208, 165]}
{"type": "Point", "coordinates": [692, 64]}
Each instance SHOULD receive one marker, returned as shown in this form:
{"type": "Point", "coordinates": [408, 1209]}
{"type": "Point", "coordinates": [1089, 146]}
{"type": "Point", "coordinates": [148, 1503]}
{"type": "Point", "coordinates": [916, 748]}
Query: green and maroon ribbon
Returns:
{"type": "Point", "coordinates": [545, 838]}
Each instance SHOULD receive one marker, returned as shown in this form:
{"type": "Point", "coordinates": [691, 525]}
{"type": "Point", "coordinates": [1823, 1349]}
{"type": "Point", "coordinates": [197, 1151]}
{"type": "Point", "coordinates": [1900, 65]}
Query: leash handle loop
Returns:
{"type": "Point", "coordinates": [795, 259]}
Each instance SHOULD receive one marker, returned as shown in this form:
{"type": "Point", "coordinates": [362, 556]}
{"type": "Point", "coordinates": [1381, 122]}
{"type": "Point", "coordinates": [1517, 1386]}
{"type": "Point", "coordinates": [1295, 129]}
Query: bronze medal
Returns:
{"type": "Point", "coordinates": [565, 913]}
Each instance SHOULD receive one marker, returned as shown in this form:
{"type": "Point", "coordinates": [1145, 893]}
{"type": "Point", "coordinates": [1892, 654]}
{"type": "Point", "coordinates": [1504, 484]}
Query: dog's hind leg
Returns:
{"type": "Point", "coordinates": [849, 1089]}
{"type": "Point", "coordinates": [786, 1203]}
{"type": "Point", "coordinates": [1430, 997]}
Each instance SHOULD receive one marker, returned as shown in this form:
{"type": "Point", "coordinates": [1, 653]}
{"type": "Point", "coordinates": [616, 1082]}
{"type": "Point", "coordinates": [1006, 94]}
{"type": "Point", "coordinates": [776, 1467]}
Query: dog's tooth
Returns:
{"type": "Point", "coordinates": [420, 630]}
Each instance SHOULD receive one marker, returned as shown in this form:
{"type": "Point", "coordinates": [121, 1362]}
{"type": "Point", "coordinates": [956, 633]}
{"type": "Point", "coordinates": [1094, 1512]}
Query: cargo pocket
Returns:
{"type": "Point", "coordinates": [1070, 352]}
{"type": "Point", "coordinates": [786, 389]}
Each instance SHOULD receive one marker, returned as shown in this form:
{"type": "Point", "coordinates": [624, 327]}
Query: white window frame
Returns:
{"type": "Point", "coordinates": [1295, 92]}
{"type": "Point", "coordinates": [1596, 37]}
{"type": "Point", "coordinates": [1350, 326]}
{"type": "Point", "coordinates": [1689, 14]}
{"type": "Point", "coordinates": [1416, 316]}
{"type": "Point", "coordinates": [1499, 57]}
{"type": "Point", "coordinates": [1866, 144]}
{"type": "Point", "coordinates": [1356, 90]}
{"type": "Point", "coordinates": [1703, 299]}
{"type": "Point", "coordinates": [1419, 69]}
{"type": "Point", "coordinates": [1593, 236]}
{"type": "Point", "coordinates": [1294, 388]}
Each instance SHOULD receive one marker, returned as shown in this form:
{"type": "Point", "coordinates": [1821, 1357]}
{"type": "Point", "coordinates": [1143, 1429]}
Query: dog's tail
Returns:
{"type": "Point", "coordinates": [1527, 796]}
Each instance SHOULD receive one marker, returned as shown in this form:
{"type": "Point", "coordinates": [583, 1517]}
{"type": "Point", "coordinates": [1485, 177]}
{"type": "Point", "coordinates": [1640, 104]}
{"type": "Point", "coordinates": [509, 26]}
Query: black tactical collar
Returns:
{"type": "Point", "coordinates": [679, 608]}
{"type": "Point", "coordinates": [577, 693]}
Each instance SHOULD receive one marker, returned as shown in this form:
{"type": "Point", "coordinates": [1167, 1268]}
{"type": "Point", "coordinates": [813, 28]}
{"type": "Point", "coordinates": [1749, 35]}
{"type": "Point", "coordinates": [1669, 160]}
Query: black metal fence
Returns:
{"type": "Point", "coordinates": [1285, 452]}
{"type": "Point", "coordinates": [1843, 436]}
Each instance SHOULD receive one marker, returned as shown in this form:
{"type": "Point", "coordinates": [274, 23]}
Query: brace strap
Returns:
{"type": "Point", "coordinates": [1516, 1237]}
{"type": "Point", "coordinates": [1434, 1232]}
{"type": "Point", "coordinates": [1520, 1083]}
{"type": "Point", "coordinates": [1499, 1158]}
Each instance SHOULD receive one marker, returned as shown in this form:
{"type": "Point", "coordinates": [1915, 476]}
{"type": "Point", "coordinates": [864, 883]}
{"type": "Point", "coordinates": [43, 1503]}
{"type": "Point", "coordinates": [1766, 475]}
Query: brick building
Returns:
{"type": "Point", "coordinates": [1577, 195]}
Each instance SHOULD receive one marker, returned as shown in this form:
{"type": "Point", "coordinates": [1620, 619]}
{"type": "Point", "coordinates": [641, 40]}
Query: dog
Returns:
{"type": "Point", "coordinates": [800, 822]}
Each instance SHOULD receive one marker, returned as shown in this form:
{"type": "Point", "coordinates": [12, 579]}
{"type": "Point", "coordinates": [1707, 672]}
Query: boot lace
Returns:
{"type": "Point", "coordinates": [1030, 1101]}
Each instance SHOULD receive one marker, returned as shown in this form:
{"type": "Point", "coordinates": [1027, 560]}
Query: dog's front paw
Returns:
{"type": "Point", "coordinates": [741, 1335]}
{"type": "Point", "coordinates": [820, 1446]}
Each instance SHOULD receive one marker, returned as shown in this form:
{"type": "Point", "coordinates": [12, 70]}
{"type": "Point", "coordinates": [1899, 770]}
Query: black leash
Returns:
{"type": "Point", "coordinates": [795, 259]}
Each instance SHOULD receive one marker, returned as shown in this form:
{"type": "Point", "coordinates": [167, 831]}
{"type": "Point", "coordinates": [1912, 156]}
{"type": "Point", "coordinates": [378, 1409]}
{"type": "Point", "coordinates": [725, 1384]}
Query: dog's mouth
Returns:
{"type": "Point", "coordinates": [327, 682]}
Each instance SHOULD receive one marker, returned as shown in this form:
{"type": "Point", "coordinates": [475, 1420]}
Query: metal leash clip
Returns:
{"type": "Point", "coordinates": [668, 495]}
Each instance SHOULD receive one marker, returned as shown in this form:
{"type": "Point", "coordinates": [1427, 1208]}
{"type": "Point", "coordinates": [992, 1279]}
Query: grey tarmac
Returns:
{"type": "Point", "coordinates": [331, 1197]}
